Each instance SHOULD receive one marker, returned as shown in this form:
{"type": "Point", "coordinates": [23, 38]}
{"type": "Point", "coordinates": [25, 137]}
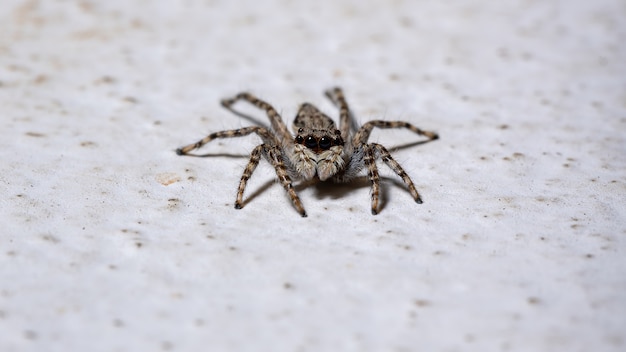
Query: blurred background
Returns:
{"type": "Point", "coordinates": [112, 242]}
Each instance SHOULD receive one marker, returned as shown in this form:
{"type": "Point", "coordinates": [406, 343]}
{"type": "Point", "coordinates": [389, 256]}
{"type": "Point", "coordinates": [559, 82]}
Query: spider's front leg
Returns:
{"type": "Point", "coordinates": [273, 157]}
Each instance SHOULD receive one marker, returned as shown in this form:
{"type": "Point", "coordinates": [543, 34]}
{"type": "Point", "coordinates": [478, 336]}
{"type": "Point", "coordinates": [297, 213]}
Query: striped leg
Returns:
{"type": "Point", "coordinates": [274, 157]}
{"type": "Point", "coordinates": [337, 97]}
{"type": "Point", "coordinates": [372, 173]}
{"type": "Point", "coordinates": [255, 156]}
{"type": "Point", "coordinates": [383, 153]}
{"type": "Point", "coordinates": [261, 131]}
{"type": "Point", "coordinates": [275, 119]}
{"type": "Point", "coordinates": [363, 134]}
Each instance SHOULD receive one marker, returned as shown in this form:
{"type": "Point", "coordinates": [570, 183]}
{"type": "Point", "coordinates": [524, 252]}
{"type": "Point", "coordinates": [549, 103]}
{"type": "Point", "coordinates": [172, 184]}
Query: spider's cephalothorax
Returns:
{"type": "Point", "coordinates": [318, 150]}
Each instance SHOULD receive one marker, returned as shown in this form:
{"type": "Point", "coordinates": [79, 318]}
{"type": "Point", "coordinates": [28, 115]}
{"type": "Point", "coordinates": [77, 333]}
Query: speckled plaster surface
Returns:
{"type": "Point", "coordinates": [111, 242]}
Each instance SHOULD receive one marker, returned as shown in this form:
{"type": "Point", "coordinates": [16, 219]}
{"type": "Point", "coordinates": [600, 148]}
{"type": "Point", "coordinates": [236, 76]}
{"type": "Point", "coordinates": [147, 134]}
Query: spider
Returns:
{"type": "Point", "coordinates": [318, 151]}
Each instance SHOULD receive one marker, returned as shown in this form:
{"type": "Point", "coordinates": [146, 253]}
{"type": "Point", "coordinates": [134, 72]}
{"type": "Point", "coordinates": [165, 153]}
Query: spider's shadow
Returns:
{"type": "Point", "coordinates": [254, 120]}
{"type": "Point", "coordinates": [332, 190]}
{"type": "Point", "coordinates": [219, 155]}
{"type": "Point", "coordinates": [327, 189]}
{"type": "Point", "coordinates": [410, 145]}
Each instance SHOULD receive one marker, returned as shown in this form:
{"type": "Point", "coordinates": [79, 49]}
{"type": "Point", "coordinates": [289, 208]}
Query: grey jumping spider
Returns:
{"type": "Point", "coordinates": [318, 151]}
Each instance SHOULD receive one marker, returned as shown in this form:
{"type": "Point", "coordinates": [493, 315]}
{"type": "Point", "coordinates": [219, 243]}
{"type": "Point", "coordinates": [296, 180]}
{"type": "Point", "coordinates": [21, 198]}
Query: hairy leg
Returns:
{"type": "Point", "coordinates": [363, 134]}
{"type": "Point", "coordinates": [345, 121]}
{"type": "Point", "coordinates": [372, 173]}
{"type": "Point", "coordinates": [385, 156]}
{"type": "Point", "coordinates": [275, 157]}
{"type": "Point", "coordinates": [275, 119]}
{"type": "Point", "coordinates": [261, 131]}
{"type": "Point", "coordinates": [255, 156]}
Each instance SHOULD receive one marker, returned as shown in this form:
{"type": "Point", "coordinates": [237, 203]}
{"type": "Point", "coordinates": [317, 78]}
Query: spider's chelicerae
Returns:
{"type": "Point", "coordinates": [318, 150]}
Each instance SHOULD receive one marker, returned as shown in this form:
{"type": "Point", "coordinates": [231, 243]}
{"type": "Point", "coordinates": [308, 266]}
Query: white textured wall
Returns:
{"type": "Point", "coordinates": [111, 242]}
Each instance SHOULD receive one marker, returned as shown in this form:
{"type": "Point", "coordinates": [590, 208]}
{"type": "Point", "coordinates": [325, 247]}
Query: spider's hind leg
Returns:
{"type": "Point", "coordinates": [363, 134]}
{"type": "Point", "coordinates": [261, 131]}
{"type": "Point", "coordinates": [346, 123]}
{"type": "Point", "coordinates": [275, 119]}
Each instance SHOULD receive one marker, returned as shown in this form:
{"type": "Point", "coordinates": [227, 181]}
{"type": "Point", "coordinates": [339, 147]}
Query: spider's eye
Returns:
{"type": "Point", "coordinates": [325, 143]}
{"type": "Point", "coordinates": [310, 142]}
{"type": "Point", "coordinates": [339, 141]}
{"type": "Point", "coordinates": [299, 139]}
